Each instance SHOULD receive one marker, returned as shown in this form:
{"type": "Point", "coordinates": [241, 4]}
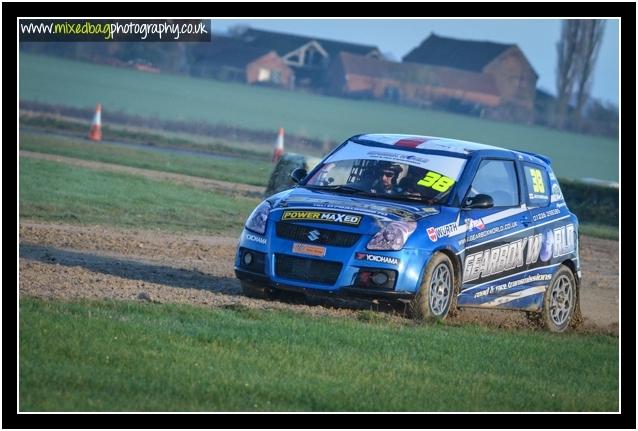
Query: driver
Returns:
{"type": "Point", "coordinates": [386, 183]}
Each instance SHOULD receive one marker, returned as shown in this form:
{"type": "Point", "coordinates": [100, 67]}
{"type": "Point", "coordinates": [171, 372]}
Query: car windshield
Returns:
{"type": "Point", "coordinates": [390, 174]}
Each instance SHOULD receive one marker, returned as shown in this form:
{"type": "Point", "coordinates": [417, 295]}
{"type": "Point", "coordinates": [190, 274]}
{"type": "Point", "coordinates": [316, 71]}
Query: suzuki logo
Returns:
{"type": "Point", "coordinates": [313, 235]}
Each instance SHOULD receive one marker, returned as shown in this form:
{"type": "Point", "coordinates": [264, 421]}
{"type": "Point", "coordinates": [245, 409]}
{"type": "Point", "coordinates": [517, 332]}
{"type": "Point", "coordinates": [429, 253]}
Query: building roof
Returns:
{"type": "Point", "coordinates": [460, 54]}
{"type": "Point", "coordinates": [434, 76]}
{"type": "Point", "coordinates": [227, 51]}
{"type": "Point", "coordinates": [283, 43]}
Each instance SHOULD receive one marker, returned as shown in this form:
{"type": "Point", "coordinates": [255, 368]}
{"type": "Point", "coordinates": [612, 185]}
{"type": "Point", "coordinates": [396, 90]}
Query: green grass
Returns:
{"type": "Point", "coordinates": [53, 191]}
{"type": "Point", "coordinates": [58, 81]}
{"type": "Point", "coordinates": [253, 172]}
{"type": "Point", "coordinates": [123, 356]}
{"type": "Point", "coordinates": [599, 231]}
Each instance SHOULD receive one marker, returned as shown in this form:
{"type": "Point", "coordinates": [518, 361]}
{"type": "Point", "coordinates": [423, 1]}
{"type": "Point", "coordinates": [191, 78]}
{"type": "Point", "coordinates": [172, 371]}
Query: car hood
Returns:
{"type": "Point", "coordinates": [376, 209]}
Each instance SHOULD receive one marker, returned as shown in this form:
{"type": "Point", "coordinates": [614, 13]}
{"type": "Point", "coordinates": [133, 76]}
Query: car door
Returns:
{"type": "Point", "coordinates": [496, 238]}
{"type": "Point", "coordinates": [557, 235]}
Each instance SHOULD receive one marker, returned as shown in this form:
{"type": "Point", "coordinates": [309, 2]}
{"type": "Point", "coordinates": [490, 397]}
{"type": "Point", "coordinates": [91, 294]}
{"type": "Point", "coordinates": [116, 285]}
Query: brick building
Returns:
{"type": "Point", "coordinates": [412, 83]}
{"type": "Point", "coordinates": [506, 64]}
{"type": "Point", "coordinates": [309, 57]}
{"type": "Point", "coordinates": [234, 60]}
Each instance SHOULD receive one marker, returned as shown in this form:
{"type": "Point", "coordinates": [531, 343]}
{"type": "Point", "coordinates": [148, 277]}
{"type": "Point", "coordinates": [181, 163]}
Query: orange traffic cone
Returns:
{"type": "Point", "coordinates": [95, 134]}
{"type": "Point", "coordinates": [279, 147]}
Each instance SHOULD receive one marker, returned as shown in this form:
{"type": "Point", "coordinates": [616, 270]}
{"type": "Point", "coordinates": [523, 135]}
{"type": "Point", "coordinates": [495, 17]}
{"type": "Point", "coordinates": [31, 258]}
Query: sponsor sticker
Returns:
{"type": "Point", "coordinates": [255, 238]}
{"type": "Point", "coordinates": [312, 250]}
{"type": "Point", "coordinates": [474, 224]}
{"type": "Point", "coordinates": [442, 231]}
{"type": "Point", "coordinates": [322, 216]}
{"type": "Point", "coordinates": [545, 214]}
{"type": "Point", "coordinates": [502, 258]}
{"type": "Point", "coordinates": [528, 250]}
{"type": "Point", "coordinates": [377, 258]}
{"type": "Point", "coordinates": [499, 288]}
{"type": "Point", "coordinates": [492, 231]}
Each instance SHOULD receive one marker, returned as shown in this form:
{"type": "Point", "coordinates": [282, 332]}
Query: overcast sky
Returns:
{"type": "Point", "coordinates": [536, 38]}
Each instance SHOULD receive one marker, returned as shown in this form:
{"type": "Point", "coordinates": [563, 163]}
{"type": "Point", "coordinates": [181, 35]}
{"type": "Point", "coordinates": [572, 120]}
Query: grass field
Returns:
{"type": "Point", "coordinates": [600, 231]}
{"type": "Point", "coordinates": [158, 138]}
{"type": "Point", "coordinates": [254, 172]}
{"type": "Point", "coordinates": [53, 191]}
{"type": "Point", "coordinates": [119, 356]}
{"type": "Point", "coordinates": [59, 81]}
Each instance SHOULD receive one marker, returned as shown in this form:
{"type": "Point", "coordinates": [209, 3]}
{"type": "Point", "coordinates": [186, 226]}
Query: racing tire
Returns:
{"type": "Point", "coordinates": [256, 291]}
{"type": "Point", "coordinates": [436, 298]}
{"type": "Point", "coordinates": [561, 304]}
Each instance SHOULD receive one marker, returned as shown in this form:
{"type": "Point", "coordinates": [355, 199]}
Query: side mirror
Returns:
{"type": "Point", "coordinates": [298, 174]}
{"type": "Point", "coordinates": [479, 201]}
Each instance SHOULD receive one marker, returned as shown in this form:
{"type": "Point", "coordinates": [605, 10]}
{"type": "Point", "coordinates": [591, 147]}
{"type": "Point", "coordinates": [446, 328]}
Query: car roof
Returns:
{"type": "Point", "coordinates": [454, 147]}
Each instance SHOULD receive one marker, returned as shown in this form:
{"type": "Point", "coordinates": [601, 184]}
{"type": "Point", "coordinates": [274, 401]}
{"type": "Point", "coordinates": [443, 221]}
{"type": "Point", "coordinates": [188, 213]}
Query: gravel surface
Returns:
{"type": "Point", "coordinates": [71, 262]}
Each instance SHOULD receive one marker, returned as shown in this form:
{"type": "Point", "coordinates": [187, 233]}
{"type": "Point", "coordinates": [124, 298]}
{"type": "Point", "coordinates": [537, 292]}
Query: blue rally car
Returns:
{"type": "Point", "coordinates": [439, 223]}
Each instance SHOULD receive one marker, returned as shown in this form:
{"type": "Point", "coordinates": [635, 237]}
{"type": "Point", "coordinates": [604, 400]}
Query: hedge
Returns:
{"type": "Point", "coordinates": [592, 203]}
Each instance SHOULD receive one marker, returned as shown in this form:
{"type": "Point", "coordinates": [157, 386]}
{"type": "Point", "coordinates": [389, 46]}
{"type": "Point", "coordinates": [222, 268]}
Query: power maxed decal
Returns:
{"type": "Point", "coordinates": [377, 210]}
{"type": "Point", "coordinates": [322, 216]}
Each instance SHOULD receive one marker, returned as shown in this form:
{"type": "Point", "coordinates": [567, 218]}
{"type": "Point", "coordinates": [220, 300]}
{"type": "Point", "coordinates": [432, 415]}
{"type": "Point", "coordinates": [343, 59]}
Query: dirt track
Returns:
{"type": "Point", "coordinates": [65, 261]}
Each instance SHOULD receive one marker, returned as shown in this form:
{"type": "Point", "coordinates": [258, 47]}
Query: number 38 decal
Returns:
{"type": "Point", "coordinates": [537, 181]}
{"type": "Point", "coordinates": [435, 181]}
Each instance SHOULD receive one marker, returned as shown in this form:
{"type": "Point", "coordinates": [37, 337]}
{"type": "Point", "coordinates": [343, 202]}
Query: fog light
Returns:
{"type": "Point", "coordinates": [247, 258]}
{"type": "Point", "coordinates": [380, 278]}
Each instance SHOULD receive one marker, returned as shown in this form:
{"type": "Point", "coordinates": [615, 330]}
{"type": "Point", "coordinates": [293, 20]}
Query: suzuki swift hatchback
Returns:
{"type": "Point", "coordinates": [439, 223]}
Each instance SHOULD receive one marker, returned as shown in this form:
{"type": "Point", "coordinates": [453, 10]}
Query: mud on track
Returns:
{"type": "Point", "coordinates": [71, 262]}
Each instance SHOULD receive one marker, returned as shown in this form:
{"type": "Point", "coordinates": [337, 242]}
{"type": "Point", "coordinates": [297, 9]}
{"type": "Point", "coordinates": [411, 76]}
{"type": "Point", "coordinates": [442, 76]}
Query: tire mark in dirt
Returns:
{"type": "Point", "coordinates": [225, 187]}
{"type": "Point", "coordinates": [66, 261]}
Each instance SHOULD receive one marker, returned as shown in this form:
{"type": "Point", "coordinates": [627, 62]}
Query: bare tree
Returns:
{"type": "Point", "coordinates": [589, 45]}
{"type": "Point", "coordinates": [577, 53]}
{"type": "Point", "coordinates": [567, 72]}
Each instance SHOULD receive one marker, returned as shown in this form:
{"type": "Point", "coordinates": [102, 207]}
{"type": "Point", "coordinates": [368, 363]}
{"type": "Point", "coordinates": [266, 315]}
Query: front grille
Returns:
{"type": "Point", "coordinates": [311, 270]}
{"type": "Point", "coordinates": [326, 237]}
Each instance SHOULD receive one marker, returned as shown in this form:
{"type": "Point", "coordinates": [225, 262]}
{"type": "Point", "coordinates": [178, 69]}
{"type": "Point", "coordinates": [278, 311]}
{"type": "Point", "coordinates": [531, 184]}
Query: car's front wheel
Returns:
{"type": "Point", "coordinates": [560, 305]}
{"type": "Point", "coordinates": [436, 296]}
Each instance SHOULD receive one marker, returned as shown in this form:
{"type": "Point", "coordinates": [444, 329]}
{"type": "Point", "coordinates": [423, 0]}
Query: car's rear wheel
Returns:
{"type": "Point", "coordinates": [560, 305]}
{"type": "Point", "coordinates": [436, 296]}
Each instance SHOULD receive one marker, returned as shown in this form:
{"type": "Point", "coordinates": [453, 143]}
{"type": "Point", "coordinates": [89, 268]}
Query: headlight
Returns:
{"type": "Point", "coordinates": [257, 220]}
{"type": "Point", "coordinates": [393, 236]}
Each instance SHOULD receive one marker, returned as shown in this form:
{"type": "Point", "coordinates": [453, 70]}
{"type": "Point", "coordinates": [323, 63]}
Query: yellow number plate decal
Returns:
{"type": "Point", "coordinates": [435, 181]}
{"type": "Point", "coordinates": [537, 181]}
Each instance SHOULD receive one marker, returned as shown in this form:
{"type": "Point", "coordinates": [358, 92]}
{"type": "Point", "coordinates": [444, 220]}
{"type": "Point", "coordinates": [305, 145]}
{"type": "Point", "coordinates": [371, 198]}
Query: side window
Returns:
{"type": "Point", "coordinates": [538, 185]}
{"type": "Point", "coordinates": [496, 178]}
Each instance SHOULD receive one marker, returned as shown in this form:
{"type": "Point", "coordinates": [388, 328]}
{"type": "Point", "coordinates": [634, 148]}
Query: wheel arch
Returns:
{"type": "Point", "coordinates": [572, 267]}
{"type": "Point", "coordinates": [457, 266]}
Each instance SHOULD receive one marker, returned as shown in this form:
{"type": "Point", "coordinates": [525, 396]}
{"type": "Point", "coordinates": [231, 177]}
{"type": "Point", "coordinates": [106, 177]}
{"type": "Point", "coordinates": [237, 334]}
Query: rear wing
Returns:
{"type": "Point", "coordinates": [543, 158]}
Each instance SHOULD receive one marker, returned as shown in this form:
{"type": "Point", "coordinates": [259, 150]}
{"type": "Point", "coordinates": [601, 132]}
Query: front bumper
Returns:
{"type": "Point", "coordinates": [337, 273]}
{"type": "Point", "coordinates": [345, 291]}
